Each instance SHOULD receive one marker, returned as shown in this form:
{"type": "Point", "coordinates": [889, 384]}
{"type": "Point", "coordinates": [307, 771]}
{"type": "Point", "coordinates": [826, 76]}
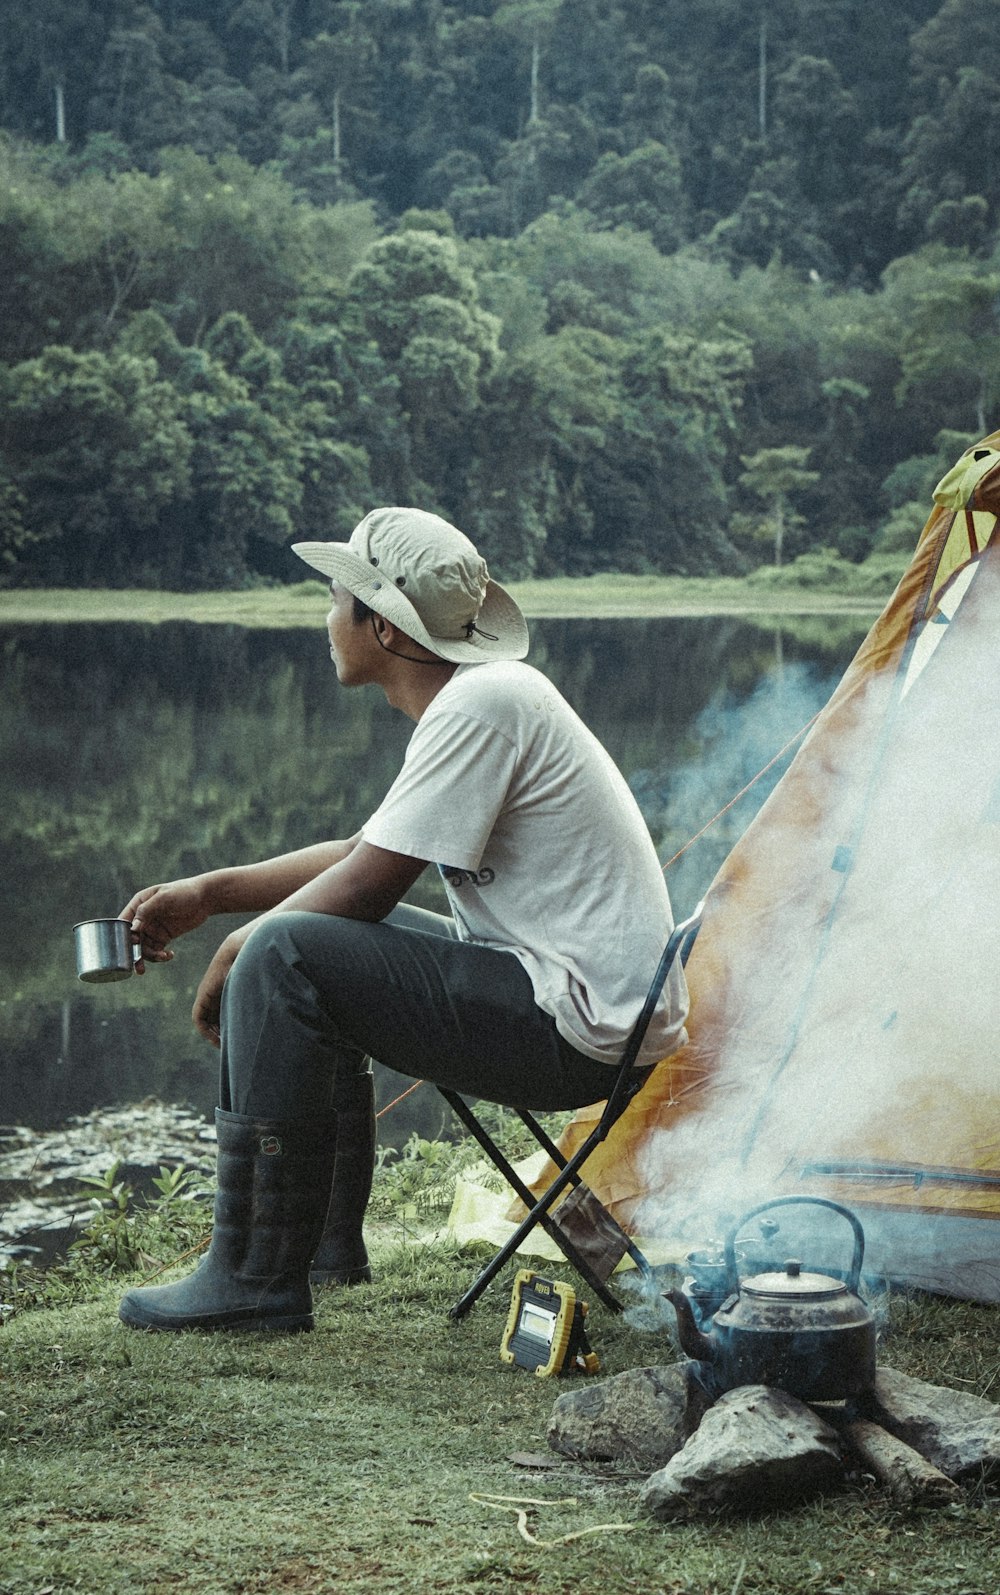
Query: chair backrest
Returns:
{"type": "Point", "coordinates": [679, 945]}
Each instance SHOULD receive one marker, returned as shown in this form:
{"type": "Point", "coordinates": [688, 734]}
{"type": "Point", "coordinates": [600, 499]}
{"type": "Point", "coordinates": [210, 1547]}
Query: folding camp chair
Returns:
{"type": "Point", "coordinates": [599, 1243]}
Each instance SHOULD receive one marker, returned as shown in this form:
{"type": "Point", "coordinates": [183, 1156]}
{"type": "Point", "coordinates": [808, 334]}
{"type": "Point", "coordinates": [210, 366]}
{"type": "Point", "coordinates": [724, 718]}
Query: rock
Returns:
{"type": "Point", "coordinates": [755, 1448]}
{"type": "Point", "coordinates": [955, 1431]}
{"type": "Point", "coordinates": [641, 1416]}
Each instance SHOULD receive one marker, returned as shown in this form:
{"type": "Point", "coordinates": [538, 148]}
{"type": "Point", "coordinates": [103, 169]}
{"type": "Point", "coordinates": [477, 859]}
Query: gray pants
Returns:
{"type": "Point", "coordinates": [311, 996]}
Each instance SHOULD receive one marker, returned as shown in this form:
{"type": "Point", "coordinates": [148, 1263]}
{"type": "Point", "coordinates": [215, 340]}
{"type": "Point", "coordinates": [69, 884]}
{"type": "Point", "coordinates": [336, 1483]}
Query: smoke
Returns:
{"type": "Point", "coordinates": [851, 1024]}
{"type": "Point", "coordinates": [734, 738]}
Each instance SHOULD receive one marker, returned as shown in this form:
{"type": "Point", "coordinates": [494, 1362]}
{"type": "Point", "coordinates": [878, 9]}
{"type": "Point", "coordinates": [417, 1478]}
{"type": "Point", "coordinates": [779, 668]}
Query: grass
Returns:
{"type": "Point", "coordinates": [848, 590]}
{"type": "Point", "coordinates": [351, 1458]}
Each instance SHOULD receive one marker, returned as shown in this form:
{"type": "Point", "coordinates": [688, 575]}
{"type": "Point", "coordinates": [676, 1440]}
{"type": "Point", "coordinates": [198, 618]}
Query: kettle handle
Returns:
{"type": "Point", "coordinates": [854, 1274]}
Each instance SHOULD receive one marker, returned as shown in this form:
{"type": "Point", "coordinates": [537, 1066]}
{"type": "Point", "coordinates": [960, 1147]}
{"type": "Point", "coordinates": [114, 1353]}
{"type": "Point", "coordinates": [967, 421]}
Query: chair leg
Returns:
{"type": "Point", "coordinates": [549, 1146]}
{"type": "Point", "coordinates": [538, 1213]}
{"type": "Point", "coordinates": [506, 1252]}
{"type": "Point", "coordinates": [625, 1087]}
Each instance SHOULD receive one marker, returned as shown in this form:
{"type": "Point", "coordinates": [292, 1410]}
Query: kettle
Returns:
{"type": "Point", "coordinates": [808, 1334]}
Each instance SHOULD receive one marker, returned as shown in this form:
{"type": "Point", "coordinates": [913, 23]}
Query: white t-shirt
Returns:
{"type": "Point", "coordinates": [543, 851]}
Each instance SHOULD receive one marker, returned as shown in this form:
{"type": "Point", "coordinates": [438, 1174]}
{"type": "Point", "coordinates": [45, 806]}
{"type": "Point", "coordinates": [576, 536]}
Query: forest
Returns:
{"type": "Point", "coordinates": [682, 286]}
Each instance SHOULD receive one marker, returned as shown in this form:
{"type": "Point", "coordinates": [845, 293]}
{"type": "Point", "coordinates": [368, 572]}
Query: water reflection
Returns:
{"type": "Point", "coordinates": [137, 752]}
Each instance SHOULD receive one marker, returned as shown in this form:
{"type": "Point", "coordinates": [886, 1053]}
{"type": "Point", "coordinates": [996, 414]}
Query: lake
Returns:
{"type": "Point", "coordinates": [136, 753]}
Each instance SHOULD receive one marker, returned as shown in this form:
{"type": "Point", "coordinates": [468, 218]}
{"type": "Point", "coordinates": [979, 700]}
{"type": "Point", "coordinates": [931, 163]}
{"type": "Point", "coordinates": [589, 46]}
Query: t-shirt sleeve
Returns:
{"type": "Point", "coordinates": [444, 803]}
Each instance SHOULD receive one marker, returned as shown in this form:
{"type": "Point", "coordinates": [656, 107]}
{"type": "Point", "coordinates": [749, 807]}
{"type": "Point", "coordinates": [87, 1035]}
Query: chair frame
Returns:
{"type": "Point", "coordinates": [628, 1081]}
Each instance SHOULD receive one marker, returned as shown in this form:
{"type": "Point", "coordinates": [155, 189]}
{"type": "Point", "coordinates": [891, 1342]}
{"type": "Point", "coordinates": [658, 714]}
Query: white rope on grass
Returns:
{"type": "Point", "coordinates": [517, 1504]}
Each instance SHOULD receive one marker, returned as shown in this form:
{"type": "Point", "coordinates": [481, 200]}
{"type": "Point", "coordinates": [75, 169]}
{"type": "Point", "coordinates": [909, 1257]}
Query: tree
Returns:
{"type": "Point", "coordinates": [944, 161]}
{"type": "Point", "coordinates": [260, 31]}
{"type": "Point", "coordinates": [14, 535]}
{"type": "Point", "coordinates": [241, 242]}
{"type": "Point", "coordinates": [132, 89]}
{"type": "Point", "coordinates": [774, 222]}
{"type": "Point", "coordinates": [649, 111]}
{"type": "Point", "coordinates": [774, 476]}
{"type": "Point", "coordinates": [246, 452]}
{"type": "Point", "coordinates": [545, 416]}
{"type": "Point", "coordinates": [532, 22]}
{"type": "Point", "coordinates": [615, 217]}
{"type": "Point", "coordinates": [643, 189]}
{"type": "Point", "coordinates": [95, 447]}
{"type": "Point", "coordinates": [553, 156]}
{"type": "Point", "coordinates": [959, 32]}
{"type": "Point", "coordinates": [953, 341]}
{"type": "Point", "coordinates": [621, 268]}
{"type": "Point", "coordinates": [334, 365]}
{"type": "Point", "coordinates": [129, 242]}
{"type": "Point", "coordinates": [838, 455]}
{"type": "Point", "coordinates": [36, 252]}
{"type": "Point", "coordinates": [421, 307]}
{"type": "Point", "coordinates": [337, 71]}
{"type": "Point", "coordinates": [667, 451]}
{"type": "Point", "coordinates": [50, 49]}
{"type": "Point", "coordinates": [593, 446]}
{"type": "Point", "coordinates": [332, 482]}
{"type": "Point", "coordinates": [816, 121]}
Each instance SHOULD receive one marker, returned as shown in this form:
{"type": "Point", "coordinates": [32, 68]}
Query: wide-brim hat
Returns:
{"type": "Point", "coordinates": [425, 576]}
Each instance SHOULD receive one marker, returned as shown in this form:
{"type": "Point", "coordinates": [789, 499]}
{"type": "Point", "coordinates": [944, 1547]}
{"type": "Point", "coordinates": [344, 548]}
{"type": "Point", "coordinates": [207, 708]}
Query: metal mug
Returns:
{"type": "Point", "coordinates": [104, 949]}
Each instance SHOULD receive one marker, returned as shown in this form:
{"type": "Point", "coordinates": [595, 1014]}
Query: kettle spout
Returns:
{"type": "Point", "coordinates": [697, 1345]}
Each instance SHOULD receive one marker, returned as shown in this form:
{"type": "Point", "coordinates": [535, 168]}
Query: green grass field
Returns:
{"type": "Point", "coordinates": [353, 1459]}
{"type": "Point", "coordinates": [596, 597]}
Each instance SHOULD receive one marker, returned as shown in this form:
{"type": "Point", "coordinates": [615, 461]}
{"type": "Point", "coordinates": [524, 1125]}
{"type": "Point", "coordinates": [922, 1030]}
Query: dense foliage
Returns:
{"type": "Point", "coordinates": [615, 284]}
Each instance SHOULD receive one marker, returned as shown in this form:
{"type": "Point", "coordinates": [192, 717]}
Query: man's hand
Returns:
{"type": "Point", "coordinates": [365, 884]}
{"type": "Point", "coordinates": [158, 914]}
{"type": "Point", "coordinates": [208, 999]}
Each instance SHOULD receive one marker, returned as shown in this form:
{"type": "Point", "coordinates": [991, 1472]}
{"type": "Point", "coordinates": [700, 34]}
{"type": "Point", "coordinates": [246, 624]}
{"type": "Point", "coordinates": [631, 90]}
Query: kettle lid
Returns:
{"type": "Point", "coordinates": [792, 1282]}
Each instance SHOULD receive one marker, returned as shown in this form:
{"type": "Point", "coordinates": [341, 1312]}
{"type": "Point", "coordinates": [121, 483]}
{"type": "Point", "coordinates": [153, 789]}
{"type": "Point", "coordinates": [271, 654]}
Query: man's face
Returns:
{"type": "Point", "coordinates": [351, 644]}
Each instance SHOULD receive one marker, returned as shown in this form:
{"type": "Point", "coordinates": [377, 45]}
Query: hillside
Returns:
{"type": "Point", "coordinates": [636, 285]}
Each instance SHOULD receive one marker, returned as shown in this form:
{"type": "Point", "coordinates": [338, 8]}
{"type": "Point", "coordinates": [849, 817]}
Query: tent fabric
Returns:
{"type": "Point", "coordinates": [845, 1001]}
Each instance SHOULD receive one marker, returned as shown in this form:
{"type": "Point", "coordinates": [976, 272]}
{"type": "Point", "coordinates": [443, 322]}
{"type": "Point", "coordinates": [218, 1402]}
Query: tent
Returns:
{"type": "Point", "coordinates": [846, 982]}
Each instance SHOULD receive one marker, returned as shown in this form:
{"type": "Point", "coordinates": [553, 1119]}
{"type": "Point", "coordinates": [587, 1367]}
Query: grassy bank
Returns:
{"type": "Point", "coordinates": [350, 1459]}
{"type": "Point", "coordinates": [596, 597]}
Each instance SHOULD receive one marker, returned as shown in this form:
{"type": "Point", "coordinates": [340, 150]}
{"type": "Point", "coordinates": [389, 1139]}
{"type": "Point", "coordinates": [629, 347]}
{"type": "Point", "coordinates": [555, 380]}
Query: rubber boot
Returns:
{"type": "Point", "coordinates": [342, 1258]}
{"type": "Point", "coordinates": [274, 1177]}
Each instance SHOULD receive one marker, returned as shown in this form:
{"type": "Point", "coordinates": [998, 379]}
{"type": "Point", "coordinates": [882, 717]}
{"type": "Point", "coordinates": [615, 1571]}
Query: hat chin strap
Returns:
{"type": "Point", "coordinates": [414, 659]}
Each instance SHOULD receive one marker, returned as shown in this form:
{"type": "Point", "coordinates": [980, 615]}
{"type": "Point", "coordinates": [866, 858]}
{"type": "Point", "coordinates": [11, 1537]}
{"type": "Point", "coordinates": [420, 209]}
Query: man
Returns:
{"type": "Point", "coordinates": [525, 996]}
